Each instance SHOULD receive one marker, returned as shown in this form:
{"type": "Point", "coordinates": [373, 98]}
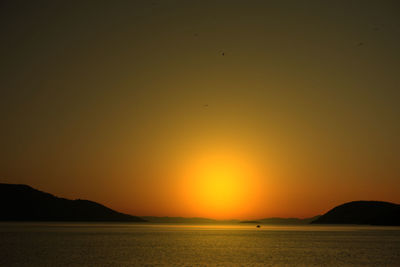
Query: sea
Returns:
{"type": "Point", "coordinates": [128, 244]}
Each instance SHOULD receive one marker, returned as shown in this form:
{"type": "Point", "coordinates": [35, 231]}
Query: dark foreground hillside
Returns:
{"type": "Point", "coordinates": [24, 203]}
{"type": "Point", "coordinates": [362, 212]}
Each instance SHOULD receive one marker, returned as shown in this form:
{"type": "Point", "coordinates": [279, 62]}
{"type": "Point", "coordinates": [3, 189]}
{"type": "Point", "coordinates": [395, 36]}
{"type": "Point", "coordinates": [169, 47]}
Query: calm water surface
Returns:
{"type": "Point", "coordinates": [73, 244]}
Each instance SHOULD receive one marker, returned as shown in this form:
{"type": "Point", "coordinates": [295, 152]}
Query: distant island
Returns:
{"type": "Point", "coordinates": [24, 203]}
{"type": "Point", "coordinates": [283, 221]}
{"type": "Point", "coordinates": [199, 220]}
{"type": "Point", "coordinates": [183, 220]}
{"type": "Point", "coordinates": [250, 222]}
{"type": "Point", "coordinates": [288, 221]}
{"type": "Point", "coordinates": [362, 212]}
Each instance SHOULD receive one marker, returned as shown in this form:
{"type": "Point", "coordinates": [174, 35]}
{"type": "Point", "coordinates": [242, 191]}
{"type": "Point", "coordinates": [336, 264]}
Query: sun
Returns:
{"type": "Point", "coordinates": [219, 185]}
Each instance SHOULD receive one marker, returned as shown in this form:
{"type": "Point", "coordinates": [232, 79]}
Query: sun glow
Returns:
{"type": "Point", "coordinates": [220, 185]}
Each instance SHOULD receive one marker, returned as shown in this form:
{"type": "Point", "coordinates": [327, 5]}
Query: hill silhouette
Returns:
{"type": "Point", "coordinates": [24, 203]}
{"type": "Point", "coordinates": [362, 212]}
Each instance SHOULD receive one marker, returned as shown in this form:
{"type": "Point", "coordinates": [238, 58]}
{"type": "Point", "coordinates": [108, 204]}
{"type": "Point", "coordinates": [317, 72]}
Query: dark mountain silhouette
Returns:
{"type": "Point", "coordinates": [23, 203]}
{"type": "Point", "coordinates": [362, 212]}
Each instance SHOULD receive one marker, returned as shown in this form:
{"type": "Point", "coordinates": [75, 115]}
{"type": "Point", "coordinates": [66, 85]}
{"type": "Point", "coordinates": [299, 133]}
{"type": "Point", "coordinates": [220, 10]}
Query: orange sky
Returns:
{"type": "Point", "coordinates": [133, 105]}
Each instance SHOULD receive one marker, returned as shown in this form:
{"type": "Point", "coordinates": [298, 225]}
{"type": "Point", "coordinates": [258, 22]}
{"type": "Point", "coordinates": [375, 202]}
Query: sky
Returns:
{"type": "Point", "coordinates": [221, 109]}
